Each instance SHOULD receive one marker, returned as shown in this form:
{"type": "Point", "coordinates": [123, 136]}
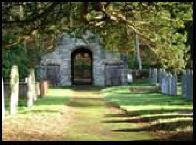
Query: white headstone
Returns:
{"type": "Point", "coordinates": [172, 84]}
{"type": "Point", "coordinates": [14, 85]}
{"type": "Point", "coordinates": [31, 95]}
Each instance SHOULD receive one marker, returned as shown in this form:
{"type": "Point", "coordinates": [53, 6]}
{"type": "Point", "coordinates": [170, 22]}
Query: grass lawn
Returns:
{"type": "Point", "coordinates": [92, 113]}
{"type": "Point", "coordinates": [171, 116]}
{"type": "Point", "coordinates": [43, 121]}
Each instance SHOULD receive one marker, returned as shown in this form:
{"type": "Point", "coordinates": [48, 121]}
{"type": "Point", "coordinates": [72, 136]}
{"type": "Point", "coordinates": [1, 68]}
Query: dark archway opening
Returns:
{"type": "Point", "coordinates": [81, 66]}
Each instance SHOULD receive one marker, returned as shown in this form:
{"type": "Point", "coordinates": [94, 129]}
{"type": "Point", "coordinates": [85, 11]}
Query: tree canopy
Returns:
{"type": "Point", "coordinates": [164, 27]}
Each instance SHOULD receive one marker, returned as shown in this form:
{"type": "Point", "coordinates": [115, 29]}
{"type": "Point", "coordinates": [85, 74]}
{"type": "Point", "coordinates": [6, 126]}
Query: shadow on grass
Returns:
{"type": "Point", "coordinates": [180, 136]}
{"type": "Point", "coordinates": [147, 119]}
{"type": "Point", "coordinates": [166, 126]}
{"type": "Point", "coordinates": [86, 102]}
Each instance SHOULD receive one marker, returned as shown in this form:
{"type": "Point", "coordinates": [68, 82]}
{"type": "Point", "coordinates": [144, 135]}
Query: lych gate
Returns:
{"type": "Point", "coordinates": [82, 61]}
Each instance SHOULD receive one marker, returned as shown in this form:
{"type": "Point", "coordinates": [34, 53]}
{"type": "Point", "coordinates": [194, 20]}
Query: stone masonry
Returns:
{"type": "Point", "coordinates": [62, 57]}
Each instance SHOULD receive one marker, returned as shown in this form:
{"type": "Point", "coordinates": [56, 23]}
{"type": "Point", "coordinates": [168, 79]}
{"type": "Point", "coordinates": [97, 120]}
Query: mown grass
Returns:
{"type": "Point", "coordinates": [48, 104]}
{"type": "Point", "coordinates": [173, 114]}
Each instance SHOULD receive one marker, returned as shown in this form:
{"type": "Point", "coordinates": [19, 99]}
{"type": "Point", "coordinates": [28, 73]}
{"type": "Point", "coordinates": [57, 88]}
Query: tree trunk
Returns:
{"type": "Point", "coordinates": [138, 51]}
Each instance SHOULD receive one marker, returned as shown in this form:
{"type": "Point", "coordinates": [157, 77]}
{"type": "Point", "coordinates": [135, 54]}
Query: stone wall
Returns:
{"type": "Point", "coordinates": [62, 57]}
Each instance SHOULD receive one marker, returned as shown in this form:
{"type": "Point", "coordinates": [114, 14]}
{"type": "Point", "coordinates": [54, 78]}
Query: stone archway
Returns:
{"type": "Point", "coordinates": [82, 66]}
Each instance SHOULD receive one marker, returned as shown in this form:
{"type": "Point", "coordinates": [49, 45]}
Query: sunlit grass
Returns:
{"type": "Point", "coordinates": [156, 111]}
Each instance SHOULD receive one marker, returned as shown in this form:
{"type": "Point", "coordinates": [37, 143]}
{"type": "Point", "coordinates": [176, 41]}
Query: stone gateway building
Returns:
{"type": "Point", "coordinates": [82, 61]}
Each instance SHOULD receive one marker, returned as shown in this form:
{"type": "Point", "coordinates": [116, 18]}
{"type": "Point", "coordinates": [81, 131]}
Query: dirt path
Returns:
{"type": "Point", "coordinates": [86, 116]}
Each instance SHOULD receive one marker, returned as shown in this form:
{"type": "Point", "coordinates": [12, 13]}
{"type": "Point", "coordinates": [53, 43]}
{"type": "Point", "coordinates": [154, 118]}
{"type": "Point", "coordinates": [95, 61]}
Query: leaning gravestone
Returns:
{"type": "Point", "coordinates": [3, 103]}
{"type": "Point", "coordinates": [31, 88]}
{"type": "Point", "coordinates": [14, 86]}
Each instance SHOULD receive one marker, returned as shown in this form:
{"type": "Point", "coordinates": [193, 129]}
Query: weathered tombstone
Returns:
{"type": "Point", "coordinates": [32, 71]}
{"type": "Point", "coordinates": [37, 87]}
{"type": "Point", "coordinates": [172, 84]}
{"type": "Point", "coordinates": [14, 86]}
{"type": "Point", "coordinates": [164, 84]}
{"type": "Point", "coordinates": [31, 88]}
{"type": "Point", "coordinates": [43, 88]}
{"type": "Point", "coordinates": [154, 77]}
{"type": "Point", "coordinates": [3, 103]}
{"type": "Point", "coordinates": [187, 84]}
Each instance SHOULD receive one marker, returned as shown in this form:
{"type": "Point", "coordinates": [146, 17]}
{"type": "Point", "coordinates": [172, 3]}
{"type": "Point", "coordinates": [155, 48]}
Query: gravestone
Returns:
{"type": "Point", "coordinates": [187, 84]}
{"type": "Point", "coordinates": [164, 84]}
{"type": "Point", "coordinates": [31, 88]}
{"type": "Point", "coordinates": [172, 84]}
{"type": "Point", "coordinates": [14, 86]}
{"type": "Point", "coordinates": [154, 76]}
{"type": "Point", "coordinates": [184, 85]}
{"type": "Point", "coordinates": [43, 88]}
{"type": "Point", "coordinates": [3, 103]}
{"type": "Point", "coordinates": [160, 72]}
{"type": "Point", "coordinates": [37, 87]}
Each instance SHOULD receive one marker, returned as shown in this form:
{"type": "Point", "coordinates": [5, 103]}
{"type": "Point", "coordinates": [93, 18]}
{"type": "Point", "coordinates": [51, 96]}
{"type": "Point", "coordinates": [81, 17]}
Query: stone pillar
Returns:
{"type": "Point", "coordinates": [14, 86]}
{"type": "Point", "coordinates": [31, 88]}
{"type": "Point", "coordinates": [154, 76]}
{"type": "Point", "coordinates": [3, 102]}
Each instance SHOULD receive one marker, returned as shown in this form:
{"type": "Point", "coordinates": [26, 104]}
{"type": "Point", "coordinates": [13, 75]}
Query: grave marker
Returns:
{"type": "Point", "coordinates": [14, 86]}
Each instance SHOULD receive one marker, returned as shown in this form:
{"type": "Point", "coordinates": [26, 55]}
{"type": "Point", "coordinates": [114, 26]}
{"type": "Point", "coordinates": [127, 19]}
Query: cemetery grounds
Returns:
{"type": "Point", "coordinates": [93, 113]}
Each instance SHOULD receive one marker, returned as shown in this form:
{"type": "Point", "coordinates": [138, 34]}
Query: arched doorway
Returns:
{"type": "Point", "coordinates": [81, 66]}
